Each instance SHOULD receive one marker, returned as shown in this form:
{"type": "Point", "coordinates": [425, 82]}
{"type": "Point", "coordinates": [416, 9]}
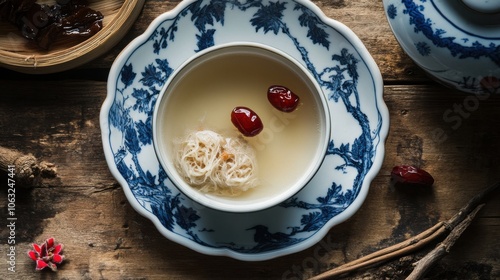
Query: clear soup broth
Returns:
{"type": "Point", "coordinates": [203, 94]}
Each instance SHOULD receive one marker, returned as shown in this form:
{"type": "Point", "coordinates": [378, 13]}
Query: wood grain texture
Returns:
{"type": "Point", "coordinates": [56, 118]}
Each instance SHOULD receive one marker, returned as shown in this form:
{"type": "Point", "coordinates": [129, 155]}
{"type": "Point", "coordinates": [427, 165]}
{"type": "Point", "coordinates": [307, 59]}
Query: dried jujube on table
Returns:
{"type": "Point", "coordinates": [407, 174]}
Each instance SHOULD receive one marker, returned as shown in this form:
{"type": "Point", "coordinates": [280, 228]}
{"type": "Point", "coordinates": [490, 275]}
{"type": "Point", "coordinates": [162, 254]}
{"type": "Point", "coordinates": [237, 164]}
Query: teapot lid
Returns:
{"type": "Point", "coordinates": [483, 6]}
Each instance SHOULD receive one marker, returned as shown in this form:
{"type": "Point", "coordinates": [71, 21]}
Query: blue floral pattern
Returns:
{"type": "Point", "coordinates": [392, 12]}
{"type": "Point", "coordinates": [423, 48]}
{"type": "Point", "coordinates": [439, 39]}
{"type": "Point", "coordinates": [428, 20]}
{"type": "Point", "coordinates": [128, 135]}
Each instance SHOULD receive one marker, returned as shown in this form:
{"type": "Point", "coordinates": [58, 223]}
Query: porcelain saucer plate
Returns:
{"type": "Point", "coordinates": [336, 58]}
{"type": "Point", "coordinates": [455, 42]}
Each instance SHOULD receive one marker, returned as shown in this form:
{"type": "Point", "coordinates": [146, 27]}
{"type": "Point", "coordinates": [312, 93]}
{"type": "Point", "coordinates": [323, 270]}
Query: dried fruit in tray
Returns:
{"type": "Point", "coordinates": [44, 24]}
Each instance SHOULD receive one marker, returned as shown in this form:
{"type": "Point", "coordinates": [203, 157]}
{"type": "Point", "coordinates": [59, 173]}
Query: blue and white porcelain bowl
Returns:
{"type": "Point", "coordinates": [456, 42]}
{"type": "Point", "coordinates": [201, 95]}
{"type": "Point", "coordinates": [334, 56]}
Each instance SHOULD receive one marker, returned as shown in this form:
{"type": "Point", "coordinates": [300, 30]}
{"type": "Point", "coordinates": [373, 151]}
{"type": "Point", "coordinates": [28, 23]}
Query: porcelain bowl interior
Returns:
{"type": "Point", "coordinates": [201, 95]}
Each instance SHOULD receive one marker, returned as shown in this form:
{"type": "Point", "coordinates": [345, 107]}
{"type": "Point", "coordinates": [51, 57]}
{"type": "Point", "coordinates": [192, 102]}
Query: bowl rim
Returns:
{"type": "Point", "coordinates": [255, 49]}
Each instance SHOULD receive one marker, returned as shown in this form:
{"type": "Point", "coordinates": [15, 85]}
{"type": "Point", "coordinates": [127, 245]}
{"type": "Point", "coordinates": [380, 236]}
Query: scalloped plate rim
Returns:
{"type": "Point", "coordinates": [314, 238]}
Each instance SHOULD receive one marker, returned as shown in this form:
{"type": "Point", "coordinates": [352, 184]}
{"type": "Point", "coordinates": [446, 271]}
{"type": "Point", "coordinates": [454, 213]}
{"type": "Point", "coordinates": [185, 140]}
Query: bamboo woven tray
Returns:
{"type": "Point", "coordinates": [17, 53]}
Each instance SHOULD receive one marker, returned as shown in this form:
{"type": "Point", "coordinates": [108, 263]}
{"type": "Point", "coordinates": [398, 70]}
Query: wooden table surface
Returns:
{"type": "Point", "coordinates": [56, 118]}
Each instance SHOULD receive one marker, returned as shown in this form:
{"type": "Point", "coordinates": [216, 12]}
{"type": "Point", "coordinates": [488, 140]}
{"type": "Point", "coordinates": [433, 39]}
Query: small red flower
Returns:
{"type": "Point", "coordinates": [47, 255]}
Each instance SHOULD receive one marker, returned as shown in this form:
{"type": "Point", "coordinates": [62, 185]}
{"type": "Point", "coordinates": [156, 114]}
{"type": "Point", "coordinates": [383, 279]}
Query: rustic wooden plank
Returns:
{"type": "Point", "coordinates": [56, 117]}
{"type": "Point", "coordinates": [57, 122]}
{"type": "Point", "coordinates": [359, 16]}
{"type": "Point", "coordinates": [365, 18]}
{"type": "Point", "coordinates": [105, 237]}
